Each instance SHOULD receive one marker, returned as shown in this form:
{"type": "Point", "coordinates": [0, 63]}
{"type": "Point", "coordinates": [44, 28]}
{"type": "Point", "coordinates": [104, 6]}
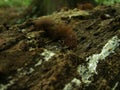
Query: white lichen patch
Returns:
{"type": "Point", "coordinates": [5, 87]}
{"type": "Point", "coordinates": [115, 86]}
{"type": "Point", "coordinates": [38, 63]}
{"type": "Point", "coordinates": [84, 73]}
{"type": "Point", "coordinates": [88, 71]}
{"type": "Point", "coordinates": [73, 85]}
{"type": "Point", "coordinates": [47, 55]}
{"type": "Point", "coordinates": [24, 72]}
{"type": "Point", "coordinates": [110, 47]}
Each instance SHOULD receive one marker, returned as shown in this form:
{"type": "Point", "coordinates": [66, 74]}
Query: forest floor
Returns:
{"type": "Point", "coordinates": [31, 60]}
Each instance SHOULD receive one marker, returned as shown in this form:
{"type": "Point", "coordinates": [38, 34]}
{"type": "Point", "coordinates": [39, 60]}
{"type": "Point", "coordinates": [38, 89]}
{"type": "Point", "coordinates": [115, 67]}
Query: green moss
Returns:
{"type": "Point", "coordinates": [11, 3]}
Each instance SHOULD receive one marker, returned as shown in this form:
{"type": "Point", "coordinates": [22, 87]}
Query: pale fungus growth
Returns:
{"type": "Point", "coordinates": [86, 72]}
{"type": "Point", "coordinates": [73, 85]}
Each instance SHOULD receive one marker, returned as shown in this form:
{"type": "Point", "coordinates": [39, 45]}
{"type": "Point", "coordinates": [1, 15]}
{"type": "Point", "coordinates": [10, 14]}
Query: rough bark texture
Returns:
{"type": "Point", "coordinates": [31, 60]}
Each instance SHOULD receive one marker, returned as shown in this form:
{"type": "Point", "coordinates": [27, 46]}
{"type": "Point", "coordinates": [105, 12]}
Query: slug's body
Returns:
{"type": "Point", "coordinates": [57, 31]}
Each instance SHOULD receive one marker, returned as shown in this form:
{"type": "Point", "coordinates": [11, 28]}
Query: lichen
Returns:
{"type": "Point", "coordinates": [73, 85]}
{"type": "Point", "coordinates": [88, 71]}
{"type": "Point", "coordinates": [47, 55]}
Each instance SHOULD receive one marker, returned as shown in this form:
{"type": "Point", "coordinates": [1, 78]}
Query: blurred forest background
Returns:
{"type": "Point", "coordinates": [18, 11]}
